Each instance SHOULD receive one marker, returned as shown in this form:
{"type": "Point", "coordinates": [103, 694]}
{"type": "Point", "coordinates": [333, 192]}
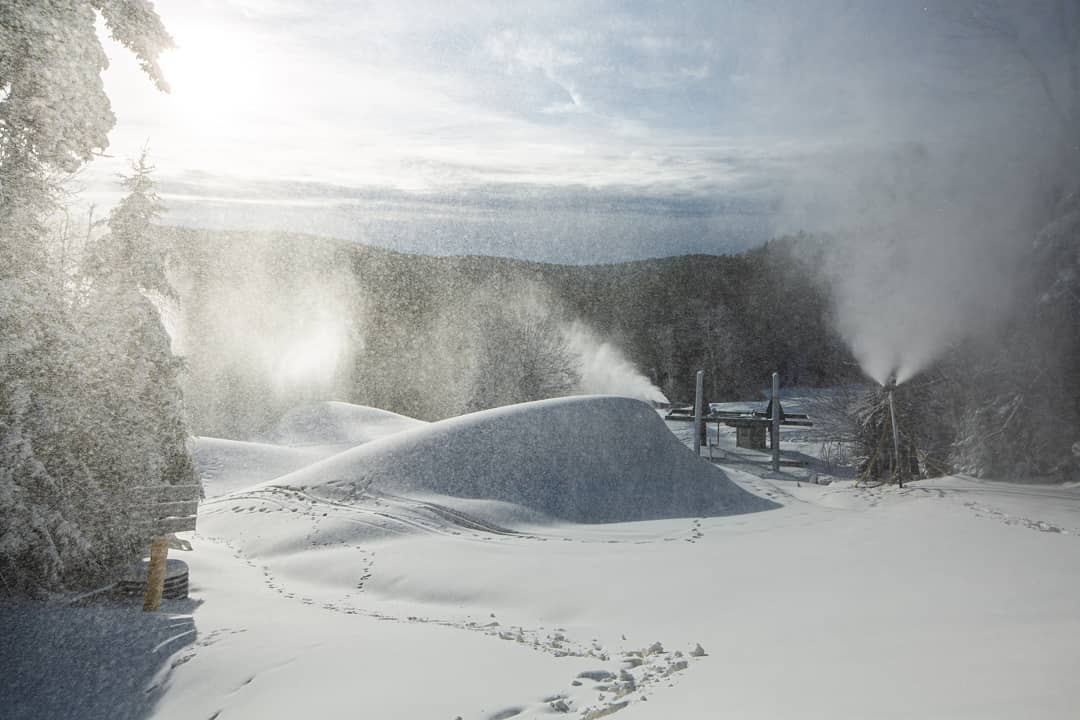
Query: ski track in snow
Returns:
{"type": "Point", "coordinates": [984, 509]}
{"type": "Point", "coordinates": [622, 676]}
{"type": "Point", "coordinates": [1006, 518]}
{"type": "Point", "coordinates": [360, 519]}
{"type": "Point", "coordinates": [397, 515]}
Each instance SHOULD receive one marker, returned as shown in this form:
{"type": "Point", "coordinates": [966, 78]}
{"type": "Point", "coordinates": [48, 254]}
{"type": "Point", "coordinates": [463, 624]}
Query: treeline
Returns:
{"type": "Point", "coordinates": [738, 317]}
{"type": "Point", "coordinates": [432, 337]}
{"type": "Point", "coordinates": [90, 404]}
{"type": "Point", "coordinates": [1014, 395]}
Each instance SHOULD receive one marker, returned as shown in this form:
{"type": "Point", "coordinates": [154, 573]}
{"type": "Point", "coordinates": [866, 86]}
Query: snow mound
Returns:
{"type": "Point", "coordinates": [583, 459]}
{"type": "Point", "coordinates": [225, 466]}
{"type": "Point", "coordinates": [337, 423]}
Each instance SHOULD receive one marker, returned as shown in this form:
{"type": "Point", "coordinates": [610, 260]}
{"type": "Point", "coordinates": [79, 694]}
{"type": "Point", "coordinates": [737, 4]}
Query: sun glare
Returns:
{"type": "Point", "coordinates": [311, 360]}
{"type": "Point", "coordinates": [215, 77]}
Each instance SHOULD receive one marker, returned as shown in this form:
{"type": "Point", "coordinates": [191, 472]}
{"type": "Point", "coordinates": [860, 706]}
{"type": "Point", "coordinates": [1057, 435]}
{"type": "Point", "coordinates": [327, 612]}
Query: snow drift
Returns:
{"type": "Point", "coordinates": [302, 436]}
{"type": "Point", "coordinates": [228, 465]}
{"type": "Point", "coordinates": [337, 423]}
{"type": "Point", "coordinates": [582, 459]}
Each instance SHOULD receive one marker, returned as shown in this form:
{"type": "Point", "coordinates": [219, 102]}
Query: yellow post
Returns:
{"type": "Point", "coordinates": [155, 574]}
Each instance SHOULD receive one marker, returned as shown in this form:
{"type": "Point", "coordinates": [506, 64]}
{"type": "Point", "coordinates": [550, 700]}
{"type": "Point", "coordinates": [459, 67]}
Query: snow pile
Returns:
{"type": "Point", "coordinates": [337, 423]}
{"type": "Point", "coordinates": [583, 459]}
{"type": "Point", "coordinates": [302, 436]}
{"type": "Point", "coordinates": [228, 465]}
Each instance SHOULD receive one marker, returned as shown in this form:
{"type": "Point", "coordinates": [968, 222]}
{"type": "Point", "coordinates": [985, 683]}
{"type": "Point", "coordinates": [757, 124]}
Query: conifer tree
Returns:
{"type": "Point", "coordinates": [54, 116]}
{"type": "Point", "coordinates": [130, 388]}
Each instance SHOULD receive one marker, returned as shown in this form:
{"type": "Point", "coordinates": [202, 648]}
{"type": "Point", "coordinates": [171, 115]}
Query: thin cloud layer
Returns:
{"type": "Point", "coordinates": [715, 104]}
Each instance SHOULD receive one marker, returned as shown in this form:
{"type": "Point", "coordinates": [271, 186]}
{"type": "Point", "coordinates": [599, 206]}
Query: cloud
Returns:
{"type": "Point", "coordinates": [715, 100]}
{"type": "Point", "coordinates": [571, 224]}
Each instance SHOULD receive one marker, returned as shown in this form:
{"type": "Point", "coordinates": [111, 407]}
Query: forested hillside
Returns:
{"type": "Point", "coordinates": [430, 336]}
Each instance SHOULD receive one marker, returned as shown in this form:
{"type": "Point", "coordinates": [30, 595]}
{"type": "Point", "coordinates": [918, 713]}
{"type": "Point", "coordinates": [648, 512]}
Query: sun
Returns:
{"type": "Point", "coordinates": [216, 77]}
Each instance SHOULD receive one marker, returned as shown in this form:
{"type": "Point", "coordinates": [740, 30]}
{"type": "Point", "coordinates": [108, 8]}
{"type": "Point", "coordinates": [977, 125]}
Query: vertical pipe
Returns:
{"type": "Point", "coordinates": [775, 422]}
{"type": "Point", "coordinates": [898, 469]}
{"type": "Point", "coordinates": [699, 392]}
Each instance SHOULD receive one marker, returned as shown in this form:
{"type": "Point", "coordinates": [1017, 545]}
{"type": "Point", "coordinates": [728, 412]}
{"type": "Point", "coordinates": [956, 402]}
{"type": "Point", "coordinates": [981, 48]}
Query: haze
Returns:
{"type": "Point", "coordinates": [654, 131]}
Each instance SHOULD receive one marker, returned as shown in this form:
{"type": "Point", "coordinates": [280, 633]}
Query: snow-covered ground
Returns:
{"type": "Point", "coordinates": [573, 558]}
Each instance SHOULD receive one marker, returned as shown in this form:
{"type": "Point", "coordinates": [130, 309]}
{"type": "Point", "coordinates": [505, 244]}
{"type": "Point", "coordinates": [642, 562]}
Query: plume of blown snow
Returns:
{"type": "Point", "coordinates": [605, 370]}
{"type": "Point", "coordinates": [925, 244]}
{"type": "Point", "coordinates": [931, 192]}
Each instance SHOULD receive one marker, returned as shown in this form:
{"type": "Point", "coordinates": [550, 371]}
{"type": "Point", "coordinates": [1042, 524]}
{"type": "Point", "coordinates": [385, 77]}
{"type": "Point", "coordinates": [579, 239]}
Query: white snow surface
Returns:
{"type": "Point", "coordinates": [367, 584]}
{"type": "Point", "coordinates": [584, 459]}
{"type": "Point", "coordinates": [227, 465]}
{"type": "Point", "coordinates": [337, 423]}
{"type": "Point", "coordinates": [304, 435]}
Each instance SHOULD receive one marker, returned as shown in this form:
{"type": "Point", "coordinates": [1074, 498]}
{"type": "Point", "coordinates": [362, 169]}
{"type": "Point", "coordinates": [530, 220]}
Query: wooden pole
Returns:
{"type": "Point", "coordinates": [699, 392]}
{"type": "Point", "coordinates": [775, 422]}
{"type": "Point", "coordinates": [155, 574]}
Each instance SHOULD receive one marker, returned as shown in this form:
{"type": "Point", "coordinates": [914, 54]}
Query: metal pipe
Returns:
{"type": "Point", "coordinates": [897, 469]}
{"type": "Point", "coordinates": [699, 392]}
{"type": "Point", "coordinates": [776, 422]}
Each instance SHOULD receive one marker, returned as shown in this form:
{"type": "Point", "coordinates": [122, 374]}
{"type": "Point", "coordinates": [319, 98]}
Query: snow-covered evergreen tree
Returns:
{"type": "Point", "coordinates": [55, 489]}
{"type": "Point", "coordinates": [131, 257]}
{"type": "Point", "coordinates": [129, 387]}
{"type": "Point", "coordinates": [127, 274]}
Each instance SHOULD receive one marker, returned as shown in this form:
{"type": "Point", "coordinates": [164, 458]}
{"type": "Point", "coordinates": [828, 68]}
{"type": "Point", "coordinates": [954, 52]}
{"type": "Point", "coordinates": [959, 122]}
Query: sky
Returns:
{"type": "Point", "coordinates": [556, 131]}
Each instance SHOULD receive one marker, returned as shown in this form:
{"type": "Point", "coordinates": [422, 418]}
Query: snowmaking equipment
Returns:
{"type": "Point", "coordinates": [892, 455]}
{"type": "Point", "coordinates": [751, 426]}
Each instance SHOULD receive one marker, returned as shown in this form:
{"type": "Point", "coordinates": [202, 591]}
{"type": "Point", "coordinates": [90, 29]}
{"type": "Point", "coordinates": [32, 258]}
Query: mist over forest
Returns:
{"type": "Point", "coordinates": [433, 337]}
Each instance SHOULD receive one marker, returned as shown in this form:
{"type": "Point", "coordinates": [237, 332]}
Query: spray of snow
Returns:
{"type": "Point", "coordinates": [171, 319]}
{"type": "Point", "coordinates": [931, 190]}
{"type": "Point", "coordinates": [605, 370]}
{"type": "Point", "coordinates": [520, 315]}
{"type": "Point", "coordinates": [922, 250]}
{"type": "Point", "coordinates": [313, 350]}
{"type": "Point", "coordinates": [270, 328]}
{"type": "Point", "coordinates": [299, 338]}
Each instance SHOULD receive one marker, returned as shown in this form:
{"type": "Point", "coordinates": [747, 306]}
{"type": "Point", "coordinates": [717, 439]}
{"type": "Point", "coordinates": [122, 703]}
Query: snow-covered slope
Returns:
{"type": "Point", "coordinates": [227, 465]}
{"type": "Point", "coordinates": [419, 576]}
{"type": "Point", "coordinates": [337, 423]}
{"type": "Point", "coordinates": [583, 459]}
{"type": "Point", "coordinates": [301, 437]}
